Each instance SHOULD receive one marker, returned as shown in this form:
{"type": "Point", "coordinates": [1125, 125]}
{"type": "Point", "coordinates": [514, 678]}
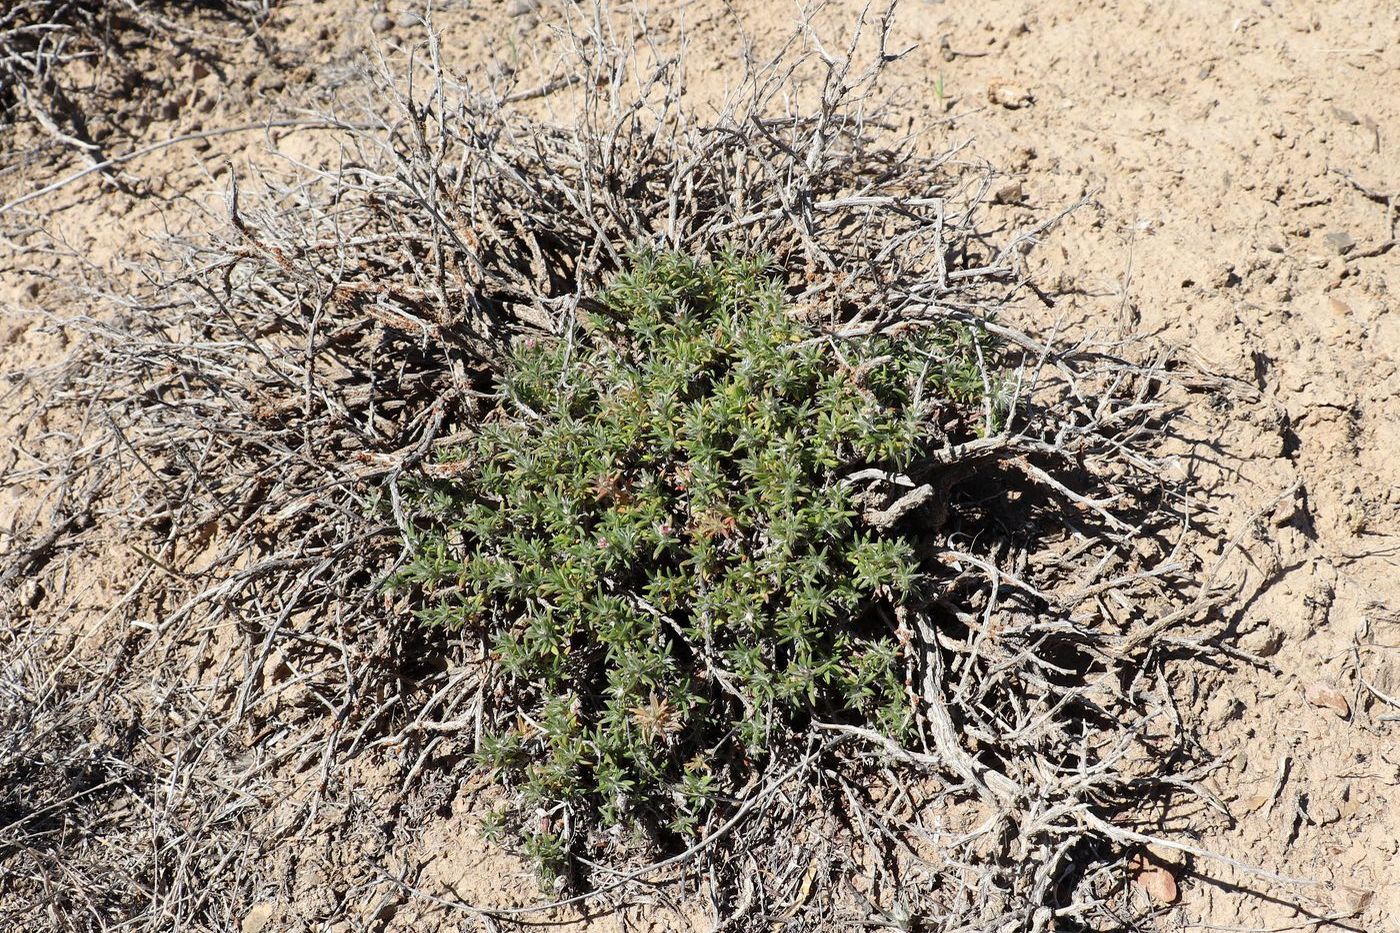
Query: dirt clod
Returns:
{"type": "Point", "coordinates": [1263, 642]}
{"type": "Point", "coordinates": [259, 917]}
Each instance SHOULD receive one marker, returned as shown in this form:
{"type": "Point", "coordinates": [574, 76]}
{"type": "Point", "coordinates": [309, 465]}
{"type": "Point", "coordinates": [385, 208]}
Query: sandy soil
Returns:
{"type": "Point", "coordinates": [1242, 161]}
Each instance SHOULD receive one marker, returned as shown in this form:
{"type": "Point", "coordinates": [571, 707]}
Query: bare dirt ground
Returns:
{"type": "Point", "coordinates": [1244, 178]}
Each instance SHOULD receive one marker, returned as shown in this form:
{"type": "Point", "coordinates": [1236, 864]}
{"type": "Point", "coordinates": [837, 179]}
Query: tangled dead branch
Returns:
{"type": "Point", "coordinates": [96, 825]}
{"type": "Point", "coordinates": [251, 416]}
{"type": "Point", "coordinates": [65, 65]}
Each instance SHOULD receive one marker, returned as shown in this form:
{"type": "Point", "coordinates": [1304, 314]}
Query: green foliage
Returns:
{"type": "Point", "coordinates": [656, 539]}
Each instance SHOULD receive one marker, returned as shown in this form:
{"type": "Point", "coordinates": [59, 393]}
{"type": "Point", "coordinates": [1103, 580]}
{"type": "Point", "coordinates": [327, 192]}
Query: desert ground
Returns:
{"type": "Point", "coordinates": [1240, 175]}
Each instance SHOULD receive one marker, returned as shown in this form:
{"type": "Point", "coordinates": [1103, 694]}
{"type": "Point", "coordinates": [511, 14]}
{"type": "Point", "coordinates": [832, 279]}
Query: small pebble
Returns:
{"type": "Point", "coordinates": [1326, 696]}
{"type": "Point", "coordinates": [1012, 193]}
{"type": "Point", "coordinates": [521, 7]}
{"type": "Point", "coordinates": [1346, 116]}
{"type": "Point", "coordinates": [407, 19]}
{"type": "Point", "coordinates": [1010, 96]}
{"type": "Point", "coordinates": [1158, 884]}
{"type": "Point", "coordinates": [1348, 901]}
{"type": "Point", "coordinates": [1340, 243]}
{"type": "Point", "coordinates": [33, 594]}
{"type": "Point", "coordinates": [381, 23]}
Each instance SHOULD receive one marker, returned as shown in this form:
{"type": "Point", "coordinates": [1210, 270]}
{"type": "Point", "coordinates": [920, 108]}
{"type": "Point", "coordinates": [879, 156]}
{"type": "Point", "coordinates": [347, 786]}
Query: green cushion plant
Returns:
{"type": "Point", "coordinates": [658, 536]}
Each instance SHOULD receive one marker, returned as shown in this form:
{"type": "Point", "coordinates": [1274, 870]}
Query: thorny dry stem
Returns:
{"type": "Point", "coordinates": [245, 420]}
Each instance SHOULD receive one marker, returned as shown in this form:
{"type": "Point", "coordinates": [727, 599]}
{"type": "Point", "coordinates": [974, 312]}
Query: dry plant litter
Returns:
{"type": "Point", "coordinates": [258, 417]}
